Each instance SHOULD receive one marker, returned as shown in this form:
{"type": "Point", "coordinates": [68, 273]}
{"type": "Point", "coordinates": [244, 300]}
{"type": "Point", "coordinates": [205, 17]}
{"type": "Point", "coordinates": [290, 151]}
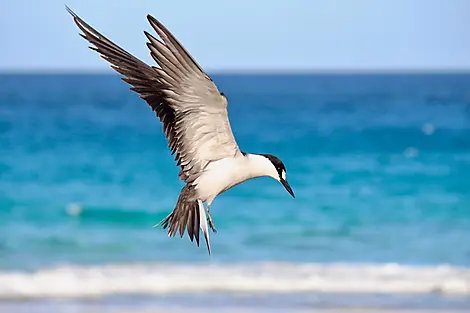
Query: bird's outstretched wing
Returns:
{"type": "Point", "coordinates": [185, 99]}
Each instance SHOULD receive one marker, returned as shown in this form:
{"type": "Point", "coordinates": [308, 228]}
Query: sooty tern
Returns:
{"type": "Point", "coordinates": [195, 121]}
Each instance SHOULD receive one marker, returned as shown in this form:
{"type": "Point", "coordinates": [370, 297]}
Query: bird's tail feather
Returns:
{"type": "Point", "coordinates": [189, 213]}
{"type": "Point", "coordinates": [205, 229]}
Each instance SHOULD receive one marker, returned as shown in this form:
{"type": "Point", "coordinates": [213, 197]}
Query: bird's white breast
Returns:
{"type": "Point", "coordinates": [222, 175]}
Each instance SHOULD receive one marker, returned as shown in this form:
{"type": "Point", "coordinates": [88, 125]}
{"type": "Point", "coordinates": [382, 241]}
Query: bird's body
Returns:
{"type": "Point", "coordinates": [226, 173]}
{"type": "Point", "coordinates": [195, 121]}
{"type": "Point", "coordinates": [220, 176]}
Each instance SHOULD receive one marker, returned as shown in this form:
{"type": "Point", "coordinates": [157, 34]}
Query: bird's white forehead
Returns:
{"type": "Point", "coordinates": [283, 174]}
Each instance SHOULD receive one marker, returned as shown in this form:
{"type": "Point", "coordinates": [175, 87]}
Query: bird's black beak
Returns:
{"type": "Point", "coordinates": [287, 186]}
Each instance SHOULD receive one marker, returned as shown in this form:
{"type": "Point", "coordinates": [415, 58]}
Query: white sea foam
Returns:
{"type": "Point", "coordinates": [164, 278]}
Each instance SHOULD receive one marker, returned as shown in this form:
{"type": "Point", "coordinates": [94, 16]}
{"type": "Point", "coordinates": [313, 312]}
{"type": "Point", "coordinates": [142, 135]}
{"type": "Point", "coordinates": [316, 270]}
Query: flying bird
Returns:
{"type": "Point", "coordinates": [195, 121]}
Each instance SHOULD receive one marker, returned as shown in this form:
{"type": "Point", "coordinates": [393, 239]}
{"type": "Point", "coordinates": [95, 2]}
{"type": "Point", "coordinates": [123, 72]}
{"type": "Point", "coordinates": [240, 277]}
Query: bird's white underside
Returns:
{"type": "Point", "coordinates": [226, 173]}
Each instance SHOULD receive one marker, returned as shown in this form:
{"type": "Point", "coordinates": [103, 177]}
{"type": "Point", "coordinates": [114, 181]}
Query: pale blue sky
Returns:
{"type": "Point", "coordinates": [246, 34]}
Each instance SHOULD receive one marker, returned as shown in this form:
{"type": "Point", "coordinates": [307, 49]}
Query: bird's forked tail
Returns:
{"type": "Point", "coordinates": [189, 213]}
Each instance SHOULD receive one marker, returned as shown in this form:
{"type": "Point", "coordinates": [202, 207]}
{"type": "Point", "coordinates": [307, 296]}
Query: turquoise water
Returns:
{"type": "Point", "coordinates": [380, 165]}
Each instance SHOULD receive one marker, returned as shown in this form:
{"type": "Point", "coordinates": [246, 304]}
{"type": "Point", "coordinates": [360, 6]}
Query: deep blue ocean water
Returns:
{"type": "Point", "coordinates": [380, 165]}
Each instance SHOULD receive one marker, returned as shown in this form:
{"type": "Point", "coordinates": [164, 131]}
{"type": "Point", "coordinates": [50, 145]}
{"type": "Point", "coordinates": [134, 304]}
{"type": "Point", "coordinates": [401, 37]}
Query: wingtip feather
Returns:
{"type": "Point", "coordinates": [151, 19]}
{"type": "Point", "coordinates": [70, 11]}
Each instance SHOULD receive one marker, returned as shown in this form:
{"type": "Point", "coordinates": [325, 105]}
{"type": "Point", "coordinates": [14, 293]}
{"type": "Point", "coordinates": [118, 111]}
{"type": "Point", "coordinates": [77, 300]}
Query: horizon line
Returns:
{"type": "Point", "coordinates": [398, 71]}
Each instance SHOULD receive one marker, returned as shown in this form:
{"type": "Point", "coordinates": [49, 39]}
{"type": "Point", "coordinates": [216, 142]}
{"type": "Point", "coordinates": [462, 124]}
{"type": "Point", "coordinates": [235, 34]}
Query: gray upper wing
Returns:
{"type": "Point", "coordinates": [186, 100]}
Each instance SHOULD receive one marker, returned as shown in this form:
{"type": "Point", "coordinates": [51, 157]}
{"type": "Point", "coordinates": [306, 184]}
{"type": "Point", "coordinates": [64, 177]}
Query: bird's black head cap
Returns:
{"type": "Point", "coordinates": [276, 162]}
{"type": "Point", "coordinates": [280, 169]}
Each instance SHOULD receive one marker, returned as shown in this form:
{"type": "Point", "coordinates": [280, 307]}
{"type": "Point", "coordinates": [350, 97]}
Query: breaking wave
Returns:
{"type": "Point", "coordinates": [166, 278]}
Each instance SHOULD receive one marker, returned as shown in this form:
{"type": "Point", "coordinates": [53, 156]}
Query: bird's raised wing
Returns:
{"type": "Point", "coordinates": [185, 99]}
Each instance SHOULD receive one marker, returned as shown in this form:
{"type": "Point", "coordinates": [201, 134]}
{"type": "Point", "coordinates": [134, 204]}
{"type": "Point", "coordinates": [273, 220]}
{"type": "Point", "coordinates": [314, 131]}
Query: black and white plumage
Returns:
{"type": "Point", "coordinates": [195, 121]}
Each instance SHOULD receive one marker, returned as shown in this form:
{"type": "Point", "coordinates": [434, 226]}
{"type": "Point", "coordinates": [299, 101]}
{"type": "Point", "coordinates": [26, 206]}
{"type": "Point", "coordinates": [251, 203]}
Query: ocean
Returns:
{"type": "Point", "coordinates": [380, 165]}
